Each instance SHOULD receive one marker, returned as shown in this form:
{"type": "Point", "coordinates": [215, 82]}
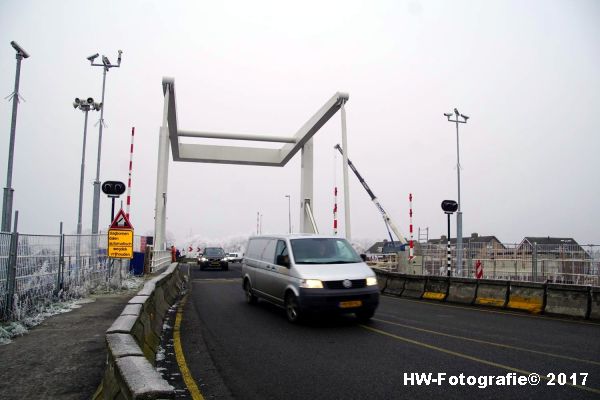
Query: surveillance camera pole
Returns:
{"type": "Point", "coordinates": [96, 200]}
{"type": "Point", "coordinates": [459, 212]}
{"type": "Point", "coordinates": [7, 200]}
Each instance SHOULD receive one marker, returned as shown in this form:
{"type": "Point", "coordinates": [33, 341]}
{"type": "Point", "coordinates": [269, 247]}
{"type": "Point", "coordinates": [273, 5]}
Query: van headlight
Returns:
{"type": "Point", "coordinates": [371, 281]}
{"type": "Point", "coordinates": [311, 284]}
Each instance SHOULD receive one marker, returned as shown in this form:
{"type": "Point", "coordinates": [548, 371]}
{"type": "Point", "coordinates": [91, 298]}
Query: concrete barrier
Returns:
{"type": "Point", "coordinates": [595, 303]}
{"type": "Point", "coordinates": [555, 299]}
{"type": "Point", "coordinates": [382, 279]}
{"type": "Point", "coordinates": [436, 288]}
{"type": "Point", "coordinates": [528, 296]}
{"type": "Point", "coordinates": [568, 300]}
{"type": "Point", "coordinates": [492, 293]}
{"type": "Point", "coordinates": [133, 339]}
{"type": "Point", "coordinates": [462, 290]}
{"type": "Point", "coordinates": [395, 284]}
{"type": "Point", "coordinates": [414, 286]}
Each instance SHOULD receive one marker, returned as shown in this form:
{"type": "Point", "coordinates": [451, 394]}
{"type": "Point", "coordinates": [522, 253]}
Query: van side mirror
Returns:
{"type": "Point", "coordinates": [284, 261]}
{"type": "Point", "coordinates": [363, 257]}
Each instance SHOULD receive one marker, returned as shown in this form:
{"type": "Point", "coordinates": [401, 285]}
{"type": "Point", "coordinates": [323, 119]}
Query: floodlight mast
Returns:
{"type": "Point", "coordinates": [85, 106]}
{"type": "Point", "coordinates": [106, 65]}
{"type": "Point", "coordinates": [7, 200]}
{"type": "Point", "coordinates": [457, 121]}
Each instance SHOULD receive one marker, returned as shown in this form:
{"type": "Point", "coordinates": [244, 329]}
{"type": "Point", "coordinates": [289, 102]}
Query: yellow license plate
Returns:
{"type": "Point", "coordinates": [350, 304]}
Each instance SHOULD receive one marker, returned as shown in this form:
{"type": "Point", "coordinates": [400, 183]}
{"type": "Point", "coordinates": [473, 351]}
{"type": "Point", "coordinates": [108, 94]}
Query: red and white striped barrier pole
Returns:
{"type": "Point", "coordinates": [478, 270]}
{"type": "Point", "coordinates": [129, 180]}
{"type": "Point", "coordinates": [410, 213]}
{"type": "Point", "coordinates": [335, 221]}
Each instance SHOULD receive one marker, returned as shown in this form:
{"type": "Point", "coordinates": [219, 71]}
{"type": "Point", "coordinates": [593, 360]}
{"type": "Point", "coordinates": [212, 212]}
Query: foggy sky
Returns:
{"type": "Point", "coordinates": [525, 72]}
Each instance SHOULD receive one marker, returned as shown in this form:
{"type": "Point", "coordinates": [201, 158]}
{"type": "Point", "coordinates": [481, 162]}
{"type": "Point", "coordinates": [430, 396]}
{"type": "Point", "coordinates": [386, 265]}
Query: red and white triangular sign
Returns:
{"type": "Point", "coordinates": [121, 221]}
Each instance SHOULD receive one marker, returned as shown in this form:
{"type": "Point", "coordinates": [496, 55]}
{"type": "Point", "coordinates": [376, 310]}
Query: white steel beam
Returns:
{"type": "Point", "coordinates": [162, 179]}
{"type": "Point", "coordinates": [236, 136]}
{"type": "Point", "coordinates": [301, 140]}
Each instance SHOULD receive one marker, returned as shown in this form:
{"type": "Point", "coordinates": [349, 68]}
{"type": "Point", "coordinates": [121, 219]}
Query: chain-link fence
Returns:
{"type": "Point", "coordinates": [559, 263]}
{"type": "Point", "coordinates": [37, 270]}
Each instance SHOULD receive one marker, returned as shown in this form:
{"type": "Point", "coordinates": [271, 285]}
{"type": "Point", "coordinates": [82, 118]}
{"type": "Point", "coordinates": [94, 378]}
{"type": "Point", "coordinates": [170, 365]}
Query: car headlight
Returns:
{"type": "Point", "coordinates": [371, 281]}
{"type": "Point", "coordinates": [203, 259]}
{"type": "Point", "coordinates": [311, 284]}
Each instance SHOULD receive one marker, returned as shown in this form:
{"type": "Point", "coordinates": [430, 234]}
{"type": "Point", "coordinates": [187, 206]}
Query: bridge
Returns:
{"type": "Point", "coordinates": [212, 344]}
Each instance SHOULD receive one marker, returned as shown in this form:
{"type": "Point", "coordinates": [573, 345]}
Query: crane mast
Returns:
{"type": "Point", "coordinates": [389, 224]}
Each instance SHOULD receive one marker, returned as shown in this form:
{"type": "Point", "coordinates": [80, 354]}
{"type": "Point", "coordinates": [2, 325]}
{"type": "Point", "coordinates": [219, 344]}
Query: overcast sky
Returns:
{"type": "Point", "coordinates": [526, 72]}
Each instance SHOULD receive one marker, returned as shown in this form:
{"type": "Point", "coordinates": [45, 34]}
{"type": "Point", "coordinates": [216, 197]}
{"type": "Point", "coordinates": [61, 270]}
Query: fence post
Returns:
{"type": "Point", "coordinates": [61, 262]}
{"type": "Point", "coordinates": [11, 274]}
{"type": "Point", "coordinates": [534, 262]}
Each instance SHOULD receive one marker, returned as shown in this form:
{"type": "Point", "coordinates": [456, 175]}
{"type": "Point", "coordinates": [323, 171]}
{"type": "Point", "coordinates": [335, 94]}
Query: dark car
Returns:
{"type": "Point", "coordinates": [213, 257]}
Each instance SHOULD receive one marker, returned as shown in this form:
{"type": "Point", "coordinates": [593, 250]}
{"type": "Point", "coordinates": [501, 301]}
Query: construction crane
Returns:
{"type": "Point", "coordinates": [389, 224]}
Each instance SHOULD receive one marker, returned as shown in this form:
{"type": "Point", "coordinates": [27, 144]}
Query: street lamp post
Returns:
{"type": "Point", "coordinates": [7, 199]}
{"type": "Point", "coordinates": [106, 65]}
{"type": "Point", "coordinates": [457, 121]}
{"type": "Point", "coordinates": [289, 214]}
{"type": "Point", "coordinates": [85, 106]}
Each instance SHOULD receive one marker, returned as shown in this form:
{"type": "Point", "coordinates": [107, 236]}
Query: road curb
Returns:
{"type": "Point", "coordinates": [134, 337]}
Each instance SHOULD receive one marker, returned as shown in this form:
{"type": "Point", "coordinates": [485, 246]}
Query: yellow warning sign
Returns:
{"type": "Point", "coordinates": [120, 243]}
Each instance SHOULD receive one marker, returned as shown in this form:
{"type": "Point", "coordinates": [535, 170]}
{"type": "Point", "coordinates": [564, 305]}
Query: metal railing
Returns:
{"type": "Point", "coordinates": [38, 270]}
{"type": "Point", "coordinates": [557, 263]}
{"type": "Point", "coordinates": [160, 259]}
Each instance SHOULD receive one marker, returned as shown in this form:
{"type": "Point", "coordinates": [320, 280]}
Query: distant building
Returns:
{"type": "Point", "coordinates": [474, 246]}
{"type": "Point", "coordinates": [386, 247]}
{"type": "Point", "coordinates": [474, 238]}
{"type": "Point", "coordinates": [550, 245]}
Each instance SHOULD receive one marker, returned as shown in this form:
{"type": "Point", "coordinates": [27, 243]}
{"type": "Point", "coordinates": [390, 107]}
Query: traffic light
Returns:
{"type": "Point", "coordinates": [449, 206]}
{"type": "Point", "coordinates": [113, 188]}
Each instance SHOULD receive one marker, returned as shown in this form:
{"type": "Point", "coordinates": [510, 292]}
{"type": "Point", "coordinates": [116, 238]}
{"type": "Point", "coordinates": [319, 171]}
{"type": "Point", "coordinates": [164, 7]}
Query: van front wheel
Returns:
{"type": "Point", "coordinates": [250, 297]}
{"type": "Point", "coordinates": [292, 310]}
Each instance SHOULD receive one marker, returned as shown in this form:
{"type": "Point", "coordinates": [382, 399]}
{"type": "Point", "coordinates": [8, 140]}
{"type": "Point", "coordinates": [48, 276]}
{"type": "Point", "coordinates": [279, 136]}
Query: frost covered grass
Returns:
{"type": "Point", "coordinates": [11, 329]}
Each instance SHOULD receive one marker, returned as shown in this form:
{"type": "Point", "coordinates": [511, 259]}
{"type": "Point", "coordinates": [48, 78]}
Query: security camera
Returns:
{"type": "Point", "coordinates": [19, 49]}
{"type": "Point", "coordinates": [448, 115]}
{"type": "Point", "coordinates": [464, 116]}
{"type": "Point", "coordinates": [119, 60]}
{"type": "Point", "coordinates": [97, 106]}
{"type": "Point", "coordinates": [456, 112]}
{"type": "Point", "coordinates": [90, 100]}
{"type": "Point", "coordinates": [93, 57]}
{"type": "Point", "coordinates": [105, 61]}
{"type": "Point", "coordinates": [77, 100]}
{"type": "Point", "coordinates": [75, 104]}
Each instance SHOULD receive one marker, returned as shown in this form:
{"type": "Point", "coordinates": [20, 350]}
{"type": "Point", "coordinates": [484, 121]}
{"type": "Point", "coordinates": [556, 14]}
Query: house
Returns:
{"type": "Point", "coordinates": [550, 245]}
{"type": "Point", "coordinates": [386, 247]}
{"type": "Point", "coordinates": [474, 246]}
{"type": "Point", "coordinates": [562, 257]}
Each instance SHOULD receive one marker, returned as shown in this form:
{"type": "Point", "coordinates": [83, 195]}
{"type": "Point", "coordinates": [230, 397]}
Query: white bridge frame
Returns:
{"type": "Point", "coordinates": [203, 153]}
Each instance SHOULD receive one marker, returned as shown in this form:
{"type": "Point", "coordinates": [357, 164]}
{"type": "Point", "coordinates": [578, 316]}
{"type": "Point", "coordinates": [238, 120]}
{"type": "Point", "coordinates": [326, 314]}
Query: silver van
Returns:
{"type": "Point", "coordinates": [305, 273]}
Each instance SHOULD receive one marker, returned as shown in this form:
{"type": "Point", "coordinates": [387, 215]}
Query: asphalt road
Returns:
{"type": "Point", "coordinates": [251, 352]}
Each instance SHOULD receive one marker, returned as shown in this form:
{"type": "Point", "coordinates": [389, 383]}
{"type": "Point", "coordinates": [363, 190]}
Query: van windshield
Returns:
{"type": "Point", "coordinates": [323, 251]}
